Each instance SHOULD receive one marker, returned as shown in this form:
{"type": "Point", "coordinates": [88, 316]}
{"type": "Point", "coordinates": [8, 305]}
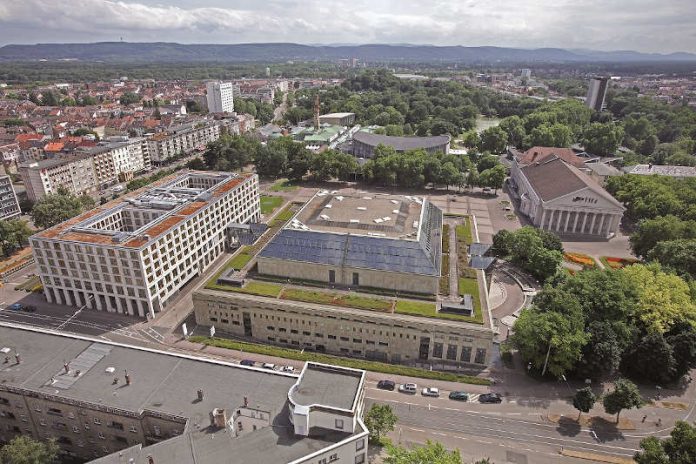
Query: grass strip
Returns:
{"type": "Point", "coordinates": [374, 366]}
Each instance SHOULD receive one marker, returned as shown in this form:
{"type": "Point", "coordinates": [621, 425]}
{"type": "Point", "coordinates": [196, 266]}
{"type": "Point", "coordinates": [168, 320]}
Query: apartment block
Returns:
{"type": "Point", "coordinates": [220, 97]}
{"type": "Point", "coordinates": [181, 139]}
{"type": "Point", "coordinates": [9, 206]}
{"type": "Point", "coordinates": [107, 403]}
{"type": "Point", "coordinates": [75, 173]}
{"type": "Point", "coordinates": [119, 161]}
{"type": "Point", "coordinates": [133, 254]}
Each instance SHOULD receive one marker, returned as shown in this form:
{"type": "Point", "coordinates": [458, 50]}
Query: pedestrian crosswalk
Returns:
{"type": "Point", "coordinates": [473, 398]}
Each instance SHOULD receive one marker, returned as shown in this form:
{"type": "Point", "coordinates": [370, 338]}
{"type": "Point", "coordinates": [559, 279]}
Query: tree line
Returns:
{"type": "Point", "coordinates": [664, 210]}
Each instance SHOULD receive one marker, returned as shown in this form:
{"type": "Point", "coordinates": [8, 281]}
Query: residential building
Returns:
{"type": "Point", "coordinates": [181, 139]}
{"type": "Point", "coordinates": [541, 154]}
{"type": "Point", "coordinates": [526, 73]}
{"type": "Point", "coordinates": [557, 196]}
{"type": "Point", "coordinates": [9, 206]}
{"type": "Point", "coordinates": [679, 172]}
{"type": "Point", "coordinates": [375, 241]}
{"type": "Point", "coordinates": [132, 255]}
{"type": "Point", "coordinates": [220, 97]}
{"type": "Point", "coordinates": [596, 93]}
{"type": "Point", "coordinates": [364, 143]}
{"type": "Point", "coordinates": [10, 155]}
{"type": "Point", "coordinates": [108, 403]}
{"type": "Point", "coordinates": [75, 173]}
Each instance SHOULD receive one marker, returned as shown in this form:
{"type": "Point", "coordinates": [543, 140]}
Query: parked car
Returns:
{"type": "Point", "coordinates": [410, 388]}
{"type": "Point", "coordinates": [431, 391]}
{"type": "Point", "coordinates": [386, 385]}
{"type": "Point", "coordinates": [270, 366]}
{"type": "Point", "coordinates": [118, 188]}
{"type": "Point", "coordinates": [16, 307]}
{"type": "Point", "coordinates": [30, 308]}
{"type": "Point", "coordinates": [288, 369]}
{"type": "Point", "coordinates": [247, 362]}
{"type": "Point", "coordinates": [487, 190]}
{"type": "Point", "coordinates": [490, 398]}
{"type": "Point", "coordinates": [459, 396]}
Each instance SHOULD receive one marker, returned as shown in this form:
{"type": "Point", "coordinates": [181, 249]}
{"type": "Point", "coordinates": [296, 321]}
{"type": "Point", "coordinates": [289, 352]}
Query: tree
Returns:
{"type": "Point", "coordinates": [550, 341]}
{"type": "Point", "coordinates": [55, 208]}
{"type": "Point", "coordinates": [494, 177]}
{"type": "Point", "coordinates": [128, 98]}
{"type": "Point", "coordinates": [13, 234]}
{"type": "Point", "coordinates": [380, 420]}
{"type": "Point", "coordinates": [650, 358]}
{"type": "Point", "coordinates": [602, 139]}
{"type": "Point", "coordinates": [514, 128]}
{"type": "Point", "coordinates": [679, 255]}
{"type": "Point", "coordinates": [682, 339]}
{"type": "Point", "coordinates": [584, 400]}
{"type": "Point", "coordinates": [494, 140]}
{"type": "Point", "coordinates": [431, 453]}
{"type": "Point", "coordinates": [24, 450]}
{"type": "Point", "coordinates": [471, 139]}
{"type": "Point", "coordinates": [679, 448]}
{"type": "Point", "coordinates": [660, 229]}
{"type": "Point", "coordinates": [624, 396]}
{"type": "Point", "coordinates": [230, 152]}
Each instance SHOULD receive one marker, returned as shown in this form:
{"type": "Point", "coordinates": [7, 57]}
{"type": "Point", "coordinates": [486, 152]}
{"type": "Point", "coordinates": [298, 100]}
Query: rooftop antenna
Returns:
{"type": "Point", "coordinates": [317, 108]}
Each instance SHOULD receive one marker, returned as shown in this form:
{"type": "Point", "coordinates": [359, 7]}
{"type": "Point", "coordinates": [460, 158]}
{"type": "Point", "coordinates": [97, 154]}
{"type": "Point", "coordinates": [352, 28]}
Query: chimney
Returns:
{"type": "Point", "coordinates": [218, 418]}
{"type": "Point", "coordinates": [18, 358]}
{"type": "Point", "coordinates": [128, 379]}
{"type": "Point", "coordinates": [200, 395]}
{"type": "Point", "coordinates": [246, 401]}
{"type": "Point", "coordinates": [66, 366]}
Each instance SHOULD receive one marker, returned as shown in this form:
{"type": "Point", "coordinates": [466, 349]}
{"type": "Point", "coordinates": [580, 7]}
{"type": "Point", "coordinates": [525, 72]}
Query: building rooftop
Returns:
{"type": "Point", "coordinates": [167, 383]}
{"type": "Point", "coordinates": [661, 170]}
{"type": "Point", "coordinates": [347, 211]}
{"type": "Point", "coordinates": [327, 386]}
{"type": "Point", "coordinates": [140, 217]}
{"type": "Point", "coordinates": [401, 143]}
{"type": "Point", "coordinates": [541, 154]}
{"type": "Point", "coordinates": [369, 231]}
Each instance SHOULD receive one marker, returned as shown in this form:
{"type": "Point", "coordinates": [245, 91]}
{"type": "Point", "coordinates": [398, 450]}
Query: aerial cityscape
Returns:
{"type": "Point", "coordinates": [312, 232]}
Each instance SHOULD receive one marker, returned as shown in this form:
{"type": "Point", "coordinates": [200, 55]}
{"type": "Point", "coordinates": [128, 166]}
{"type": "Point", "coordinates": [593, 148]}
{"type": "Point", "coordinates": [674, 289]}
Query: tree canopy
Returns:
{"type": "Point", "coordinates": [57, 207]}
{"type": "Point", "coordinates": [13, 234]}
{"type": "Point", "coordinates": [678, 448]}
{"type": "Point", "coordinates": [431, 452]}
{"type": "Point", "coordinates": [24, 450]}
{"type": "Point", "coordinates": [380, 420]}
{"type": "Point", "coordinates": [625, 395]}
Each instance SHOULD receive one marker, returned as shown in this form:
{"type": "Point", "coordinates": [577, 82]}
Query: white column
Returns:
{"type": "Point", "coordinates": [575, 222]}
{"type": "Point", "coordinates": [543, 216]}
{"type": "Point", "coordinates": [594, 217]}
{"type": "Point", "coordinates": [584, 220]}
{"type": "Point", "coordinates": [601, 225]}
{"type": "Point", "coordinates": [559, 214]}
{"type": "Point", "coordinates": [565, 226]}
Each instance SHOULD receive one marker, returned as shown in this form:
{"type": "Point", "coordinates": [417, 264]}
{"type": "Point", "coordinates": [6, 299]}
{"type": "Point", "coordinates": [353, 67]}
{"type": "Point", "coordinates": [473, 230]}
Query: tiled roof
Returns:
{"type": "Point", "coordinates": [541, 154]}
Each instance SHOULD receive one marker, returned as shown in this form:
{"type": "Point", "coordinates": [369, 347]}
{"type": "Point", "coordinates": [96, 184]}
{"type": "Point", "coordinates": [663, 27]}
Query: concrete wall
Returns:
{"type": "Point", "coordinates": [414, 283]}
{"type": "Point", "coordinates": [342, 331]}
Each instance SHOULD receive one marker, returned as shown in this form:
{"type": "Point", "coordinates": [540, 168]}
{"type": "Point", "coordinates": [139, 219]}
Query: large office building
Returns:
{"type": "Point", "coordinates": [220, 96]}
{"type": "Point", "coordinates": [364, 143]}
{"type": "Point", "coordinates": [113, 404]}
{"type": "Point", "coordinates": [351, 240]}
{"type": "Point", "coordinates": [557, 196]}
{"type": "Point", "coordinates": [9, 206]}
{"type": "Point", "coordinates": [337, 119]}
{"type": "Point", "coordinates": [133, 254]}
{"type": "Point", "coordinates": [596, 93]}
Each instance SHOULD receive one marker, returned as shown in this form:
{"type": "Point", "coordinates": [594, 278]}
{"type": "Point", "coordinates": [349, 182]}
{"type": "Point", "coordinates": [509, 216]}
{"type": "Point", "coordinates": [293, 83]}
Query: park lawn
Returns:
{"type": "Point", "coordinates": [283, 185]}
{"type": "Point", "coordinates": [270, 203]}
{"type": "Point", "coordinates": [304, 355]}
{"type": "Point", "coordinates": [416, 308]}
{"type": "Point", "coordinates": [308, 296]}
{"type": "Point", "coordinates": [362, 302]}
{"type": "Point", "coordinates": [463, 232]}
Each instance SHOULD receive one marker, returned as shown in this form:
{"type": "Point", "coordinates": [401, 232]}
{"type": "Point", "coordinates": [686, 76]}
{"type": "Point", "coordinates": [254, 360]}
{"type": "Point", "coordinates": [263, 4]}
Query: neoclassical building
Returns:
{"type": "Point", "coordinates": [557, 196]}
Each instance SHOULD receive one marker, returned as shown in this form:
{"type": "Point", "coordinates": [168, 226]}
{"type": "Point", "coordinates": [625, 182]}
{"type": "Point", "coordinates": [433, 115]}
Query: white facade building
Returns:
{"type": "Point", "coordinates": [9, 206]}
{"type": "Point", "coordinates": [132, 255]}
{"type": "Point", "coordinates": [559, 197]}
{"type": "Point", "coordinates": [75, 173]}
{"type": "Point", "coordinates": [596, 93]}
{"type": "Point", "coordinates": [220, 97]}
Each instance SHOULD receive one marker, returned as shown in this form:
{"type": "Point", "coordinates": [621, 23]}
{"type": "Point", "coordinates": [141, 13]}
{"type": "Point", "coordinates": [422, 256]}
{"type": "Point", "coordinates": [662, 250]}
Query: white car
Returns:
{"type": "Point", "coordinates": [410, 388]}
{"type": "Point", "coordinates": [288, 369]}
{"type": "Point", "coordinates": [431, 391]}
{"type": "Point", "coordinates": [270, 366]}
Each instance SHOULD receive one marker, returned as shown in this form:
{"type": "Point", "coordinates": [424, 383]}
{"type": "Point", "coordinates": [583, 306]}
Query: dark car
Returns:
{"type": "Point", "coordinates": [30, 308]}
{"type": "Point", "coordinates": [247, 362]}
{"type": "Point", "coordinates": [16, 307]}
{"type": "Point", "coordinates": [386, 385]}
{"type": "Point", "coordinates": [459, 396]}
{"type": "Point", "coordinates": [490, 398]}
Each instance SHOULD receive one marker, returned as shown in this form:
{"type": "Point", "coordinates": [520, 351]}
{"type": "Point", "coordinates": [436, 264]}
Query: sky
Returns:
{"type": "Point", "coordinates": [662, 26]}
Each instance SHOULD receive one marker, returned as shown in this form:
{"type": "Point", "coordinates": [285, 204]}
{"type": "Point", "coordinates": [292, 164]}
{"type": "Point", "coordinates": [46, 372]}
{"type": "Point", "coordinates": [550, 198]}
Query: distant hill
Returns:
{"type": "Point", "coordinates": [269, 52]}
